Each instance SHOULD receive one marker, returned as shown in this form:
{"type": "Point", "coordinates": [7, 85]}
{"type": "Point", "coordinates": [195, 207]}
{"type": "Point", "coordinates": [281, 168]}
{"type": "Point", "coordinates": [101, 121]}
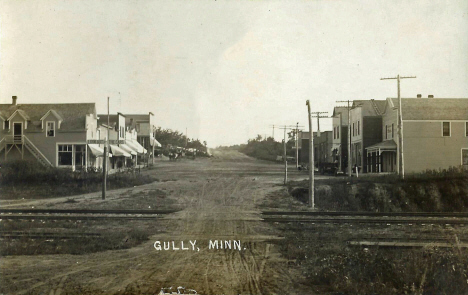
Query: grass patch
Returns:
{"type": "Point", "coordinates": [445, 191]}
{"type": "Point", "coordinates": [113, 236]}
{"type": "Point", "coordinates": [329, 266]}
{"type": "Point", "coordinates": [30, 180]}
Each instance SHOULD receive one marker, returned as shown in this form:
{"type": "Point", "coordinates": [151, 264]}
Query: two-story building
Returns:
{"type": "Point", "coordinates": [365, 128]}
{"type": "Point", "coordinates": [323, 147]}
{"type": "Point", "coordinates": [145, 126]}
{"type": "Point", "coordinates": [340, 137]}
{"type": "Point", "coordinates": [435, 135]}
{"type": "Point", "coordinates": [53, 134]}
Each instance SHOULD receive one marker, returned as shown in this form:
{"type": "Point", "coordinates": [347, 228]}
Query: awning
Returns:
{"type": "Point", "coordinates": [387, 145]}
{"type": "Point", "coordinates": [154, 142]}
{"type": "Point", "coordinates": [118, 152]}
{"type": "Point", "coordinates": [97, 151]}
{"type": "Point", "coordinates": [136, 146]}
{"type": "Point", "coordinates": [128, 149]}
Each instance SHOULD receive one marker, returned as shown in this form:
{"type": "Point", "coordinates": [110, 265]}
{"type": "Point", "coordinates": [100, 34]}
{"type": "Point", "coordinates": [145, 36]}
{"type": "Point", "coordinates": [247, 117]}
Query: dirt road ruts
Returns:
{"type": "Point", "coordinates": [220, 197]}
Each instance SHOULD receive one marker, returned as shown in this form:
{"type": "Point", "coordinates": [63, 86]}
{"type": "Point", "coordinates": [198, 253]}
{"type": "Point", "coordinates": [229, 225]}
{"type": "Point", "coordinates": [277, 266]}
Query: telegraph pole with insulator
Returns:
{"type": "Point", "coordinates": [318, 115]}
{"type": "Point", "coordinates": [311, 159]}
{"type": "Point", "coordinates": [401, 165]}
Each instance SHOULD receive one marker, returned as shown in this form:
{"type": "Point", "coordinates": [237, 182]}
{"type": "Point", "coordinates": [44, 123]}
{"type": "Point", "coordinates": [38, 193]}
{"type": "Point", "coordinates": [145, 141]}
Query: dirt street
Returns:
{"type": "Point", "coordinates": [219, 196]}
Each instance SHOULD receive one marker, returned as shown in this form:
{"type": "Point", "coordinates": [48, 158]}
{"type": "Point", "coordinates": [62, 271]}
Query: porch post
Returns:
{"type": "Point", "coordinates": [367, 157]}
{"type": "Point", "coordinates": [380, 162]}
{"type": "Point", "coordinates": [86, 157]}
{"type": "Point", "coordinates": [374, 162]}
{"type": "Point", "coordinates": [73, 157]}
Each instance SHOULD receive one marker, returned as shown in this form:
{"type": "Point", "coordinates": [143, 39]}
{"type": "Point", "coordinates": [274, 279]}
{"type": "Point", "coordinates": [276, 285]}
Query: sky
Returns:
{"type": "Point", "coordinates": [226, 71]}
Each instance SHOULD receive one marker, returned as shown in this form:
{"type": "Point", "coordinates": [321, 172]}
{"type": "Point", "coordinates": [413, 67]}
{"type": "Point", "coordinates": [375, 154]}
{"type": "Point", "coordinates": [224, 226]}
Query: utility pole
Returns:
{"type": "Point", "coordinates": [400, 126]}
{"type": "Point", "coordinates": [349, 135]}
{"type": "Point", "coordinates": [339, 137]}
{"type": "Point", "coordinates": [273, 133]}
{"type": "Point", "coordinates": [106, 151]}
{"type": "Point", "coordinates": [311, 159]}
{"type": "Point", "coordinates": [318, 116]}
{"type": "Point", "coordinates": [297, 145]}
{"type": "Point", "coordinates": [286, 127]}
{"type": "Point", "coordinates": [285, 159]}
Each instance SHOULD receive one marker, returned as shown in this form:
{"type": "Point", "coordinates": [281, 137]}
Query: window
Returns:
{"type": "Point", "coordinates": [338, 132]}
{"type": "Point", "coordinates": [445, 128]}
{"type": "Point", "coordinates": [50, 129]}
{"type": "Point", "coordinates": [358, 127]}
{"type": "Point", "coordinates": [465, 157]}
{"type": "Point", "coordinates": [386, 132]}
{"type": "Point", "coordinates": [466, 128]}
{"type": "Point", "coordinates": [353, 129]}
{"type": "Point", "coordinates": [65, 155]}
{"type": "Point", "coordinates": [7, 125]}
{"type": "Point", "coordinates": [80, 155]}
{"type": "Point", "coordinates": [393, 135]}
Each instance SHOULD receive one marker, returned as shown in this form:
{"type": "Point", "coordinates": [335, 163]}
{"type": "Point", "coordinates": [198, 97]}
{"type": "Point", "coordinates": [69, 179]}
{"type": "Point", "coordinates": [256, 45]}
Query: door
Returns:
{"type": "Point", "coordinates": [465, 158]}
{"type": "Point", "coordinates": [17, 131]}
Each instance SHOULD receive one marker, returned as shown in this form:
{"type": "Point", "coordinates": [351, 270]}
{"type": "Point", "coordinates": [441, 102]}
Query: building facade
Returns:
{"type": "Point", "coordinates": [323, 147]}
{"type": "Point", "coordinates": [145, 126]}
{"type": "Point", "coordinates": [435, 135]}
{"type": "Point", "coordinates": [53, 134]}
{"type": "Point", "coordinates": [365, 128]}
{"type": "Point", "coordinates": [340, 137]}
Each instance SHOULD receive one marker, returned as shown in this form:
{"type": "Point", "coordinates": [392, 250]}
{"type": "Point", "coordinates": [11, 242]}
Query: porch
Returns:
{"type": "Point", "coordinates": [381, 157]}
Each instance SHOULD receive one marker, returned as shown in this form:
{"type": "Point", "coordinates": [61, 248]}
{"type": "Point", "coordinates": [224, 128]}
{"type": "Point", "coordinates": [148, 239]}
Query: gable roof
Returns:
{"type": "Point", "coordinates": [433, 108]}
{"type": "Point", "coordinates": [21, 113]}
{"type": "Point", "coordinates": [370, 107]}
{"type": "Point", "coordinates": [74, 114]}
{"type": "Point", "coordinates": [53, 113]}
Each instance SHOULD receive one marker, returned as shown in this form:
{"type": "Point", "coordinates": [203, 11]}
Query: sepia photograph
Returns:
{"type": "Point", "coordinates": [244, 147]}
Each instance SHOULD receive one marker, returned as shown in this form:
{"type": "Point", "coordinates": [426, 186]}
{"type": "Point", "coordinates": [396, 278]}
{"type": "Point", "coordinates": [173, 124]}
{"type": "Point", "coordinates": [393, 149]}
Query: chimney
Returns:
{"type": "Point", "coordinates": [13, 100]}
{"type": "Point", "coordinates": [419, 96]}
{"type": "Point", "coordinates": [430, 96]}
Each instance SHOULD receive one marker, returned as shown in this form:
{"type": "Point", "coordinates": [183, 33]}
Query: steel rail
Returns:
{"type": "Point", "coordinates": [88, 211]}
{"type": "Point", "coordinates": [75, 217]}
{"type": "Point", "coordinates": [47, 235]}
{"type": "Point", "coordinates": [376, 214]}
{"type": "Point", "coordinates": [426, 221]}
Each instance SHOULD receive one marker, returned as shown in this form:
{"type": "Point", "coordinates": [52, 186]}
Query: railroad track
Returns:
{"type": "Point", "coordinates": [420, 218]}
{"type": "Point", "coordinates": [81, 214]}
{"type": "Point", "coordinates": [46, 235]}
{"type": "Point", "coordinates": [354, 213]}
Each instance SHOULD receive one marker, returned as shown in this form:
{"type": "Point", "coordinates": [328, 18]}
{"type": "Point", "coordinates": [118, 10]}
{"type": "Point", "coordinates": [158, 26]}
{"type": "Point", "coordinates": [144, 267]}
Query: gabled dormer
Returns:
{"type": "Point", "coordinates": [48, 121]}
{"type": "Point", "coordinates": [19, 116]}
